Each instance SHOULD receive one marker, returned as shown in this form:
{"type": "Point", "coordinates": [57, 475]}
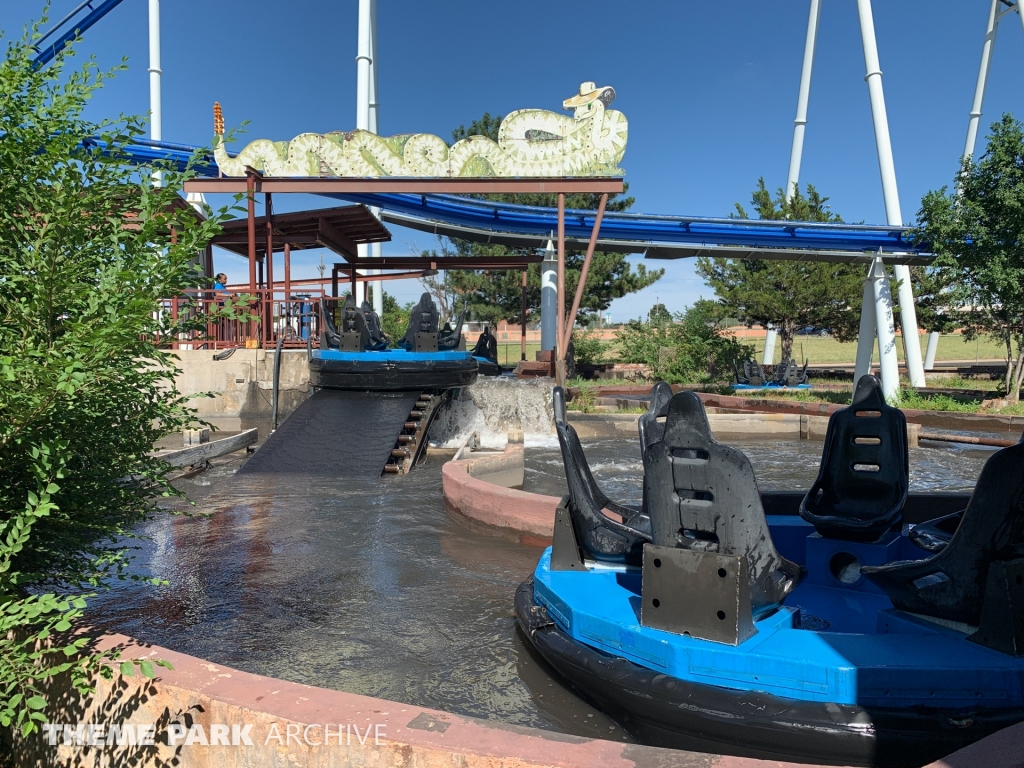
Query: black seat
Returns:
{"type": "Point", "coordinates": [753, 374]}
{"type": "Point", "coordinates": [934, 535]}
{"type": "Point", "coordinates": [353, 325]}
{"type": "Point", "coordinates": [600, 537]}
{"type": "Point", "coordinates": [785, 373]}
{"type": "Point", "coordinates": [450, 338]}
{"type": "Point", "coordinates": [423, 319]}
{"type": "Point", "coordinates": [952, 584]}
{"type": "Point", "coordinates": [329, 337]}
{"type": "Point", "coordinates": [378, 340]}
{"type": "Point", "coordinates": [651, 429]}
{"type": "Point", "coordinates": [486, 346]}
{"type": "Point", "coordinates": [703, 496]}
{"type": "Point", "coordinates": [865, 469]}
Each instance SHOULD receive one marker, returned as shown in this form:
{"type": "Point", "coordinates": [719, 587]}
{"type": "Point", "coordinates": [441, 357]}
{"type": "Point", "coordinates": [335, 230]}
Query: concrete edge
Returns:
{"type": "Point", "coordinates": [287, 723]}
{"type": "Point", "coordinates": [468, 493]}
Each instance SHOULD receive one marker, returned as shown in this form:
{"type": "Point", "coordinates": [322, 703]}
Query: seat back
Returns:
{"type": "Point", "coordinates": [486, 346]}
{"type": "Point", "coordinates": [753, 373]}
{"type": "Point", "coordinates": [951, 584]}
{"type": "Point", "coordinates": [329, 337]}
{"type": "Point", "coordinates": [378, 340]}
{"type": "Point", "coordinates": [786, 373]}
{"type": "Point", "coordinates": [451, 337]}
{"type": "Point", "coordinates": [422, 319]}
{"type": "Point", "coordinates": [598, 535]}
{"type": "Point", "coordinates": [864, 474]}
{"type": "Point", "coordinates": [353, 325]}
{"type": "Point", "coordinates": [652, 430]}
{"type": "Point", "coordinates": [703, 496]}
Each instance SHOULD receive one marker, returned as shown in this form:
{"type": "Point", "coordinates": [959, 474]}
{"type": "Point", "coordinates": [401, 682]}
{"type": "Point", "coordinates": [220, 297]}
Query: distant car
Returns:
{"type": "Point", "coordinates": [814, 330]}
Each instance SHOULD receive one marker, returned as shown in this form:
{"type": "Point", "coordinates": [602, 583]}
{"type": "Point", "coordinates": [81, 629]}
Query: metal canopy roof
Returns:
{"type": "Point", "coordinates": [340, 229]}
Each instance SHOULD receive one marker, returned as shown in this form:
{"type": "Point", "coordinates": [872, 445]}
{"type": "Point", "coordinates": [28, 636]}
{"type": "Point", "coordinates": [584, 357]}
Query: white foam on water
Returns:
{"type": "Point", "coordinates": [492, 407]}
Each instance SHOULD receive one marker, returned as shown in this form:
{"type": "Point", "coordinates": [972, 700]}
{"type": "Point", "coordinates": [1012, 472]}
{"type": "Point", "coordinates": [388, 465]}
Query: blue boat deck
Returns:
{"type": "Point", "coordinates": [829, 642]}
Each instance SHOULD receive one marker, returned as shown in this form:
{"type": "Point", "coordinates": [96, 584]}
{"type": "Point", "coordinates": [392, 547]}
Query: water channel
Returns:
{"type": "Point", "coordinates": [372, 587]}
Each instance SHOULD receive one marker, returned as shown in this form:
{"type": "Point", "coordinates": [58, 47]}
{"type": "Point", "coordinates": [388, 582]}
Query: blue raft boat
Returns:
{"type": "Point", "coordinates": [856, 624]}
{"type": "Point", "coordinates": [354, 353]}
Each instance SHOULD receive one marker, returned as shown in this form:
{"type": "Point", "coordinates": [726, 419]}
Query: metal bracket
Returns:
{"type": "Point", "coordinates": [699, 594]}
{"type": "Point", "coordinates": [1002, 609]}
{"type": "Point", "coordinates": [565, 550]}
{"type": "Point", "coordinates": [350, 342]}
{"type": "Point", "coordinates": [424, 342]}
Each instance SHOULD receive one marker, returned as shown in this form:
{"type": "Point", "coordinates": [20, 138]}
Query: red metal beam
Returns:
{"type": "Point", "coordinates": [331, 237]}
{"type": "Point", "coordinates": [485, 185]}
{"type": "Point", "coordinates": [446, 262]}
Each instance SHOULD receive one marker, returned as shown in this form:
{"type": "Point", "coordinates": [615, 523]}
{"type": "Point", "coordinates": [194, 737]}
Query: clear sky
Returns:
{"type": "Point", "coordinates": [709, 88]}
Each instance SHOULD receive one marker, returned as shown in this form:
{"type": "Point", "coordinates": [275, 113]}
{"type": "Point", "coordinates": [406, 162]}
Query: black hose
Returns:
{"type": "Point", "coordinates": [277, 379]}
{"type": "Point", "coordinates": [309, 348]}
{"type": "Point", "coordinates": [225, 354]}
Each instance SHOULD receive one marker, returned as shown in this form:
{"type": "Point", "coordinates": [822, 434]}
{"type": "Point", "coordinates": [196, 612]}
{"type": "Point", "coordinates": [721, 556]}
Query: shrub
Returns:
{"type": "Point", "coordinates": [85, 391]}
{"type": "Point", "coordinates": [589, 349]}
{"type": "Point", "coordinates": [689, 350]}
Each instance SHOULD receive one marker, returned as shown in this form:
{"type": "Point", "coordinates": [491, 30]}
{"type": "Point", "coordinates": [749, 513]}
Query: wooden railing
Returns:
{"type": "Point", "coordinates": [260, 317]}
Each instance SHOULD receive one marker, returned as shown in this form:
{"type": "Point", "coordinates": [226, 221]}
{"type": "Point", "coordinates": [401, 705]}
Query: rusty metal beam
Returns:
{"type": "Point", "coordinates": [582, 284]}
{"type": "Point", "coordinates": [236, 238]}
{"type": "Point", "coordinates": [331, 237]}
{"type": "Point", "coordinates": [449, 262]}
{"type": "Point", "coordinates": [485, 185]}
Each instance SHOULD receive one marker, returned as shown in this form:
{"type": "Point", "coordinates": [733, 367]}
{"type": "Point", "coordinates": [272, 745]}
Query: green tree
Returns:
{"type": "Point", "coordinates": [977, 234]}
{"type": "Point", "coordinates": [788, 294]}
{"type": "Point", "coordinates": [659, 315]}
{"type": "Point", "coordinates": [497, 295]}
{"type": "Point", "coordinates": [690, 350]}
{"type": "Point", "coordinates": [88, 247]}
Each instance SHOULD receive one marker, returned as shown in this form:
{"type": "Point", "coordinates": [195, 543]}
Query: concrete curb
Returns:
{"type": "Point", "coordinates": [288, 719]}
{"type": "Point", "coordinates": [468, 492]}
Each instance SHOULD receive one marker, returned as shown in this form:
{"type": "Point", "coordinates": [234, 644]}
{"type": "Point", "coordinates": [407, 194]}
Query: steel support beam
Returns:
{"type": "Point", "coordinates": [800, 123]}
{"type": "Point", "coordinates": [890, 194]}
{"type": "Point", "coordinates": [560, 343]}
{"type": "Point", "coordinates": [582, 284]}
{"type": "Point", "coordinates": [769, 345]}
{"type": "Point", "coordinates": [983, 69]}
{"type": "Point", "coordinates": [548, 299]}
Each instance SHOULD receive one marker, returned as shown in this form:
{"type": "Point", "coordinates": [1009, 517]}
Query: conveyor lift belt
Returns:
{"type": "Point", "coordinates": [343, 434]}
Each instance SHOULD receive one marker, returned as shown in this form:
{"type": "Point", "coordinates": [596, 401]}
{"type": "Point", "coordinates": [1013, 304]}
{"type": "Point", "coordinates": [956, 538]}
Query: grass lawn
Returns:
{"type": "Point", "coordinates": [827, 350]}
{"type": "Point", "coordinates": [818, 350]}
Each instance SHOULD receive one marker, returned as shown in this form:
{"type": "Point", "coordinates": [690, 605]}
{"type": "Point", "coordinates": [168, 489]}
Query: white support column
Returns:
{"type": "Point", "coordinates": [800, 123]}
{"type": "Point", "coordinates": [890, 193]}
{"type": "Point", "coordinates": [1020, 13]}
{"type": "Point", "coordinates": [866, 336]}
{"type": "Point", "coordinates": [548, 298]}
{"type": "Point", "coordinates": [933, 347]}
{"type": "Point", "coordinates": [886, 329]}
{"type": "Point", "coordinates": [375, 248]}
{"type": "Point", "coordinates": [769, 345]}
{"type": "Point", "coordinates": [979, 89]}
{"type": "Point", "coordinates": [364, 78]}
{"type": "Point", "coordinates": [156, 118]}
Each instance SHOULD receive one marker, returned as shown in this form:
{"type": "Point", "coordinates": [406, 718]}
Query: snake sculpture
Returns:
{"type": "Point", "coordinates": [531, 142]}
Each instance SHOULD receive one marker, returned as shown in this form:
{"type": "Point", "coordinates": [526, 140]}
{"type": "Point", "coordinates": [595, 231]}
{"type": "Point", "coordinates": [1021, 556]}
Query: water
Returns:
{"type": "Point", "coordinates": [492, 407]}
{"type": "Point", "coordinates": [778, 465]}
{"type": "Point", "coordinates": [366, 586]}
{"type": "Point", "coordinates": [370, 586]}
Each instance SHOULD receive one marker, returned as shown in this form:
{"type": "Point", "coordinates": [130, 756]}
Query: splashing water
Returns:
{"type": "Point", "coordinates": [492, 407]}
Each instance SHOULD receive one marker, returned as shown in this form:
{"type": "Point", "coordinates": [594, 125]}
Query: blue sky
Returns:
{"type": "Point", "coordinates": [709, 88]}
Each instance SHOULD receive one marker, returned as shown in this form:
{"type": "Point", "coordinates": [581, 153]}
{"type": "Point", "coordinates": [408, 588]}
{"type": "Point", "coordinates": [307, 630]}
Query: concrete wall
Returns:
{"type": "Point", "coordinates": [242, 385]}
{"type": "Point", "coordinates": [793, 426]}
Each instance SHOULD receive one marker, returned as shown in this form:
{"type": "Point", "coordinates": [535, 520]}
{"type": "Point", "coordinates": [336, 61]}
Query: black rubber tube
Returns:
{"type": "Point", "coordinates": [277, 379]}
